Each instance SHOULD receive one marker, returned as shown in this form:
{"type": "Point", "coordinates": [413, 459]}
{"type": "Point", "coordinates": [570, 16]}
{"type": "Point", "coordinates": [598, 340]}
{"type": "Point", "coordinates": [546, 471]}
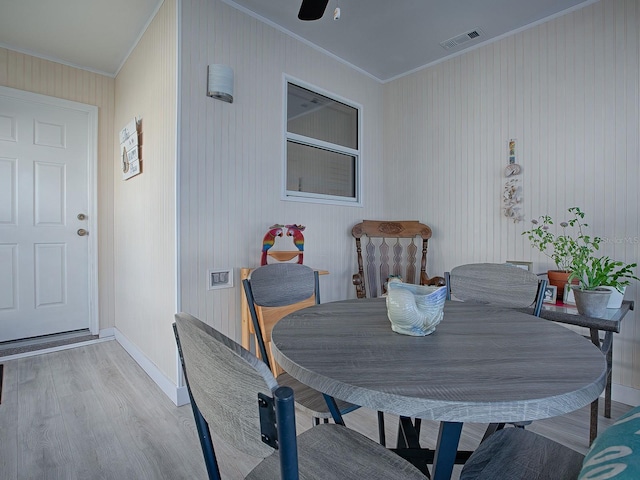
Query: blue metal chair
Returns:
{"type": "Point", "coordinates": [272, 292]}
{"type": "Point", "coordinates": [498, 284]}
{"type": "Point", "coordinates": [235, 395]}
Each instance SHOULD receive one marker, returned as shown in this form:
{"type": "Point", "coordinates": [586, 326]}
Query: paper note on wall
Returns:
{"type": "Point", "coordinates": [130, 153]}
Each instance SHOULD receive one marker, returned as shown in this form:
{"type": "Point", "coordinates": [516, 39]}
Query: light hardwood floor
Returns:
{"type": "Point", "coordinates": [92, 413]}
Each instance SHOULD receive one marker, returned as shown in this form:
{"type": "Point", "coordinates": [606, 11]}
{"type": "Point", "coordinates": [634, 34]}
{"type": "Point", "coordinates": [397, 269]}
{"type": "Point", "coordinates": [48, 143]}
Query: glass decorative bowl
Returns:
{"type": "Point", "coordinates": [414, 309]}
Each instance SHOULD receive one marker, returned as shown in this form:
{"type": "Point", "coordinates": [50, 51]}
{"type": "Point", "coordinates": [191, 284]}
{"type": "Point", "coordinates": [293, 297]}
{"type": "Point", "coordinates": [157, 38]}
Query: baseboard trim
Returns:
{"type": "Point", "coordinates": [176, 395]}
{"type": "Point", "coordinates": [627, 395]}
{"type": "Point", "coordinates": [107, 333]}
{"type": "Point", "coordinates": [183, 396]}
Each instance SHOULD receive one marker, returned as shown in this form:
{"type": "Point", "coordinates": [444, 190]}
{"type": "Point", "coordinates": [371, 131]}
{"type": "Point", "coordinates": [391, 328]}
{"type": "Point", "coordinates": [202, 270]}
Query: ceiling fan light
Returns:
{"type": "Point", "coordinates": [312, 9]}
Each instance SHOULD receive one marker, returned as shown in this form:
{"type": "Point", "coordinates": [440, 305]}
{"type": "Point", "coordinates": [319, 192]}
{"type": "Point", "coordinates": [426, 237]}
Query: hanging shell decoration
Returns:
{"type": "Point", "coordinates": [414, 309]}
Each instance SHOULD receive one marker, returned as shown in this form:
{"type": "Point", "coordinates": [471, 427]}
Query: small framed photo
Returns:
{"type": "Point", "coordinates": [523, 265]}
{"type": "Point", "coordinates": [550, 293]}
{"type": "Point", "coordinates": [569, 298]}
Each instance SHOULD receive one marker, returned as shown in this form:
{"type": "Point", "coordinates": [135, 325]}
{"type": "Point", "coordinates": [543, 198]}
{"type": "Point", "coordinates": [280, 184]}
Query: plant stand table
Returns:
{"type": "Point", "coordinates": [609, 324]}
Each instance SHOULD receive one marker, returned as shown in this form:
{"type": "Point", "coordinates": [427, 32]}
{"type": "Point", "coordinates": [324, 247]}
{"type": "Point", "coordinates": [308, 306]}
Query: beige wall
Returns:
{"type": "Point", "coordinates": [144, 206]}
{"type": "Point", "coordinates": [44, 77]}
{"type": "Point", "coordinates": [137, 261]}
{"type": "Point", "coordinates": [231, 158]}
{"type": "Point", "coordinates": [569, 92]}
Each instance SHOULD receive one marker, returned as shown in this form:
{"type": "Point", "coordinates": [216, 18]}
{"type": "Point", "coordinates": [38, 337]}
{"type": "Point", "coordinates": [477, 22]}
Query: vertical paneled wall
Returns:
{"type": "Point", "coordinates": [144, 222]}
{"type": "Point", "coordinates": [231, 158]}
{"type": "Point", "coordinates": [568, 92]}
{"type": "Point", "coordinates": [44, 77]}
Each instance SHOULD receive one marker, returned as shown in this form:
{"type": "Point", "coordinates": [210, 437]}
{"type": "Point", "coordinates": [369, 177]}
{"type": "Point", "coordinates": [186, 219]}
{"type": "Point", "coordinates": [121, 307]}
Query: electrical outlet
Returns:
{"type": "Point", "coordinates": [220, 278]}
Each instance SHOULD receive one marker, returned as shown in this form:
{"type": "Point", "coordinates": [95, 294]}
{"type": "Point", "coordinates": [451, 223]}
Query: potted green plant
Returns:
{"type": "Point", "coordinates": [603, 277]}
{"type": "Point", "coordinates": [563, 246]}
{"type": "Point", "coordinates": [618, 281]}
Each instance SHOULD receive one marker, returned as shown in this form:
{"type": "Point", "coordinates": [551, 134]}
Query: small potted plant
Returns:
{"type": "Point", "coordinates": [600, 277]}
{"type": "Point", "coordinates": [563, 246]}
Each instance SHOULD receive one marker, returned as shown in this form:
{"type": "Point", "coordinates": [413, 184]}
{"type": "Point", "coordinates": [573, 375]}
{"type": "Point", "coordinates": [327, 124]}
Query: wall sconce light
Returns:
{"type": "Point", "coordinates": [220, 82]}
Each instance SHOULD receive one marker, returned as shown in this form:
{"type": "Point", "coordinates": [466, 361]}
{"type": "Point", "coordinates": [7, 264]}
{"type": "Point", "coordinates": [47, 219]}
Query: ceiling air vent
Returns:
{"type": "Point", "coordinates": [463, 38]}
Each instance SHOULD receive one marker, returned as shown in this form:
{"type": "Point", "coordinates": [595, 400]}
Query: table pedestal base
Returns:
{"type": "Point", "coordinates": [443, 458]}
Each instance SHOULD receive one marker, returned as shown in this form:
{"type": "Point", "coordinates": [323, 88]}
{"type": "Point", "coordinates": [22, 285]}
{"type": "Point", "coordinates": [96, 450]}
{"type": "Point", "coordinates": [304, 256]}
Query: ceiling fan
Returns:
{"type": "Point", "coordinates": [312, 9]}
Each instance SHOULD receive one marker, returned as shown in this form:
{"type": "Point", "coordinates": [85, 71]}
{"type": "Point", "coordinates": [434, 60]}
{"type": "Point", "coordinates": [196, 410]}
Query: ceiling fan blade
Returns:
{"type": "Point", "coordinates": [312, 9]}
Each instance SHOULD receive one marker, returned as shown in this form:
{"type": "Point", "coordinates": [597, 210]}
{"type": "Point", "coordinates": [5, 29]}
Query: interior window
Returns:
{"type": "Point", "coordinates": [322, 147]}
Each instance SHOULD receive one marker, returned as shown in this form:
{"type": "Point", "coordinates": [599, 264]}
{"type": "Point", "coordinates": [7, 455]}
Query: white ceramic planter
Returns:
{"type": "Point", "coordinates": [615, 300]}
{"type": "Point", "coordinates": [414, 309]}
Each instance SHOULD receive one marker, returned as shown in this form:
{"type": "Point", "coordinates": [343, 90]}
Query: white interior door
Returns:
{"type": "Point", "coordinates": [45, 153]}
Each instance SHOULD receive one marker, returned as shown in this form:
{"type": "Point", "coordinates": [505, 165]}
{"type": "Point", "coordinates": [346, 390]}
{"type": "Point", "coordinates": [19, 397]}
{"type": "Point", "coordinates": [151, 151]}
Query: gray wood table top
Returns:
{"type": "Point", "coordinates": [482, 364]}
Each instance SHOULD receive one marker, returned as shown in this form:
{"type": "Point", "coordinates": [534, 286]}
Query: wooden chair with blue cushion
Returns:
{"type": "Point", "coordinates": [273, 291]}
{"type": "Point", "coordinates": [516, 454]}
{"type": "Point", "coordinates": [235, 395]}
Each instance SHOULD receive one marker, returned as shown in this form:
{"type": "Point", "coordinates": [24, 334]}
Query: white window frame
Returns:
{"type": "Point", "coordinates": [296, 196]}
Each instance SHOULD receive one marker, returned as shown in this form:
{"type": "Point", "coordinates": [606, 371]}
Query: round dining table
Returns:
{"type": "Point", "coordinates": [483, 364]}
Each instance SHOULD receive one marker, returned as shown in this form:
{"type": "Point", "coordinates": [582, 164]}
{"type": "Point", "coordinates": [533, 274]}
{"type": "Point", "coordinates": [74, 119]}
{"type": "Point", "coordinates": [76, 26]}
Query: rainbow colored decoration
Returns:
{"type": "Point", "coordinates": [278, 230]}
{"type": "Point", "coordinates": [295, 231]}
{"type": "Point", "coordinates": [268, 241]}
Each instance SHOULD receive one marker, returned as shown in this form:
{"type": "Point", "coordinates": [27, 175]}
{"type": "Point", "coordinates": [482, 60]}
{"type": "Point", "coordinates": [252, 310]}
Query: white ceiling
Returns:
{"type": "Point", "coordinates": [388, 38]}
{"type": "Point", "coordinates": [96, 35]}
{"type": "Point", "coordinates": [384, 38]}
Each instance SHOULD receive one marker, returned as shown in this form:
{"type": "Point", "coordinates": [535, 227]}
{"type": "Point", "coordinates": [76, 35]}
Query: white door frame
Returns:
{"type": "Point", "coordinates": [92, 187]}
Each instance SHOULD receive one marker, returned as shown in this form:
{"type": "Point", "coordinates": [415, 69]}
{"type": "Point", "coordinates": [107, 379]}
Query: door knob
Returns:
{"type": "Point", "coordinates": [81, 216]}
{"type": "Point", "coordinates": [82, 232]}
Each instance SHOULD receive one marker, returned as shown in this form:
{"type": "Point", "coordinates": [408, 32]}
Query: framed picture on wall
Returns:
{"type": "Point", "coordinates": [550, 293]}
{"type": "Point", "coordinates": [523, 265]}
